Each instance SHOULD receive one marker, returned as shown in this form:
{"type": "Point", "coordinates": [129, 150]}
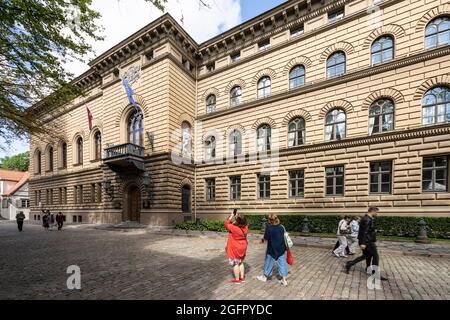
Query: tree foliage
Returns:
{"type": "Point", "coordinates": [37, 37]}
{"type": "Point", "coordinates": [19, 162]}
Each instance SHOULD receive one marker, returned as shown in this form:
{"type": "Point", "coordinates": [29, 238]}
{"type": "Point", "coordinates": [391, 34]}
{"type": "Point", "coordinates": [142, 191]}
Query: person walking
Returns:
{"type": "Point", "coordinates": [60, 220]}
{"type": "Point", "coordinates": [353, 237]}
{"type": "Point", "coordinates": [19, 218]}
{"type": "Point", "coordinates": [342, 232]}
{"type": "Point", "coordinates": [52, 220]}
{"type": "Point", "coordinates": [237, 245]}
{"type": "Point", "coordinates": [45, 220]}
{"type": "Point", "coordinates": [367, 241]}
{"type": "Point", "coordinates": [276, 250]}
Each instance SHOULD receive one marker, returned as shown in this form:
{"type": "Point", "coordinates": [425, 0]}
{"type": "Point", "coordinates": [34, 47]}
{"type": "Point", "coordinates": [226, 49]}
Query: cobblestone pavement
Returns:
{"type": "Point", "coordinates": [140, 265]}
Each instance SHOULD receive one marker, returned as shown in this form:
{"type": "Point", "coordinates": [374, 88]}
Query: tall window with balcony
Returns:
{"type": "Point", "coordinates": [297, 77]}
{"type": "Point", "coordinates": [336, 64]}
{"type": "Point", "coordinates": [264, 87]}
{"type": "Point", "coordinates": [210, 103]}
{"type": "Point", "coordinates": [235, 96]}
{"type": "Point", "coordinates": [296, 132]}
{"type": "Point", "coordinates": [381, 116]}
{"type": "Point", "coordinates": [136, 128]}
{"type": "Point", "coordinates": [335, 123]}
{"type": "Point", "coordinates": [264, 137]}
{"type": "Point", "coordinates": [235, 143]}
{"type": "Point", "coordinates": [97, 145]}
{"type": "Point", "coordinates": [436, 105]}
{"type": "Point", "coordinates": [50, 159]}
{"type": "Point", "coordinates": [210, 148]}
{"type": "Point", "coordinates": [382, 50]}
{"type": "Point", "coordinates": [79, 150]}
{"type": "Point", "coordinates": [437, 32]}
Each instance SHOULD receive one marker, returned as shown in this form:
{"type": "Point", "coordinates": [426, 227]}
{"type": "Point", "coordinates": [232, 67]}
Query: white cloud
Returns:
{"type": "Point", "coordinates": [121, 18]}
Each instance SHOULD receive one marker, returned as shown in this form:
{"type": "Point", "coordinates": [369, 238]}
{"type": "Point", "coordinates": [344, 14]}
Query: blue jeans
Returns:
{"type": "Point", "coordinates": [281, 265]}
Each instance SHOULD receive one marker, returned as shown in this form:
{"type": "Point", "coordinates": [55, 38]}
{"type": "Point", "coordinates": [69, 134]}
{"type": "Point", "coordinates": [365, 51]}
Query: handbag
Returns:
{"type": "Point", "coordinates": [287, 239]}
{"type": "Point", "coordinates": [289, 257]}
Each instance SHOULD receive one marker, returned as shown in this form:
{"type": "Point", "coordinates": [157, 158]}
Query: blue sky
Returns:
{"type": "Point", "coordinates": [132, 15]}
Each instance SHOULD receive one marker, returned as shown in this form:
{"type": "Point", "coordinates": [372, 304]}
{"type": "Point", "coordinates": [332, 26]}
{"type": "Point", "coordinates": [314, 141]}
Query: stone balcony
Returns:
{"type": "Point", "coordinates": [124, 156]}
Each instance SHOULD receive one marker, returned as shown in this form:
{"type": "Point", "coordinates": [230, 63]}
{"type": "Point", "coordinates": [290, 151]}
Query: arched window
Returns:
{"type": "Point", "coordinates": [50, 159]}
{"type": "Point", "coordinates": [264, 134]}
{"type": "Point", "coordinates": [335, 125]}
{"type": "Point", "coordinates": [297, 77]}
{"type": "Point", "coordinates": [235, 143]}
{"type": "Point", "coordinates": [79, 145]}
{"type": "Point", "coordinates": [382, 49]}
{"type": "Point", "coordinates": [381, 116]}
{"type": "Point", "coordinates": [296, 132]}
{"type": "Point", "coordinates": [211, 103]}
{"type": "Point", "coordinates": [185, 140]}
{"type": "Point", "coordinates": [37, 162]}
{"type": "Point", "coordinates": [210, 148]}
{"type": "Point", "coordinates": [235, 96]}
{"type": "Point", "coordinates": [97, 145]}
{"type": "Point", "coordinates": [436, 105]}
{"type": "Point", "coordinates": [437, 32]}
{"type": "Point", "coordinates": [264, 87]}
{"type": "Point", "coordinates": [63, 151]}
{"type": "Point", "coordinates": [136, 128]}
{"type": "Point", "coordinates": [336, 64]}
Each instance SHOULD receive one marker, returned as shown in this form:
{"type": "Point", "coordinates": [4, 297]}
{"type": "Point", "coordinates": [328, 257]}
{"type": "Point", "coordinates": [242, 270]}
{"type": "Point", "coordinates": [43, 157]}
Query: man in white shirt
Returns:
{"type": "Point", "coordinates": [343, 230]}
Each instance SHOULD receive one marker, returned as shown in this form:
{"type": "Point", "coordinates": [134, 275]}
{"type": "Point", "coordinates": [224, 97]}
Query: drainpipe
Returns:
{"type": "Point", "coordinates": [195, 149]}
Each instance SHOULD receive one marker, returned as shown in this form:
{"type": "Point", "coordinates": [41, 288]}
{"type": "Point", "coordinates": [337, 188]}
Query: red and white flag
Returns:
{"type": "Point", "coordinates": [89, 114]}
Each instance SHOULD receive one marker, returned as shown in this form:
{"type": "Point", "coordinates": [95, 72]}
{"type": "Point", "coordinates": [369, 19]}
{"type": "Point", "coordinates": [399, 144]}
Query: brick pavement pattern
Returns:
{"type": "Point", "coordinates": [137, 264]}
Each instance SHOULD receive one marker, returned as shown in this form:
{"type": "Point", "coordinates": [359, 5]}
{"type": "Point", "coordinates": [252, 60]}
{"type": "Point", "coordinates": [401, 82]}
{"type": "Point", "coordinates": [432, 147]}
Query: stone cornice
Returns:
{"type": "Point", "coordinates": [289, 42]}
{"type": "Point", "coordinates": [350, 76]}
{"type": "Point", "coordinates": [402, 134]}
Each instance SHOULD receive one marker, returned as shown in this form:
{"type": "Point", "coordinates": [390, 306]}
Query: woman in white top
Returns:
{"type": "Point", "coordinates": [342, 232]}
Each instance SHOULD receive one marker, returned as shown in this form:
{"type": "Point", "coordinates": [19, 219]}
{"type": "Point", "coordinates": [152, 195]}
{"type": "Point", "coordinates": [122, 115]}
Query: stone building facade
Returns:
{"type": "Point", "coordinates": [314, 107]}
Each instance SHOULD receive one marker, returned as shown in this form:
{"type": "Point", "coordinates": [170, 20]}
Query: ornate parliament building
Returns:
{"type": "Point", "coordinates": [314, 107]}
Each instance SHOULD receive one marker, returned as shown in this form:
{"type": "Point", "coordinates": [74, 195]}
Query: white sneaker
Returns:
{"type": "Point", "coordinates": [283, 282]}
{"type": "Point", "coordinates": [261, 278]}
{"type": "Point", "coordinates": [343, 255]}
{"type": "Point", "coordinates": [336, 255]}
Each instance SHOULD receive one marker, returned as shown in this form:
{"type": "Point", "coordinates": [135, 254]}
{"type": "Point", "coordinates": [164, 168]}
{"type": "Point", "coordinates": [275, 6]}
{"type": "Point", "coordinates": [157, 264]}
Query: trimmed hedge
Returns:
{"type": "Point", "coordinates": [438, 227]}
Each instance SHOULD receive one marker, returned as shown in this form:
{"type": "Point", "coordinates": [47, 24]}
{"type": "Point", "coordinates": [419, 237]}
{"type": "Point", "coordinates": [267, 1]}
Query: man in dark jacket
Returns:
{"type": "Point", "coordinates": [367, 241]}
{"type": "Point", "coordinates": [60, 220]}
{"type": "Point", "coordinates": [19, 218]}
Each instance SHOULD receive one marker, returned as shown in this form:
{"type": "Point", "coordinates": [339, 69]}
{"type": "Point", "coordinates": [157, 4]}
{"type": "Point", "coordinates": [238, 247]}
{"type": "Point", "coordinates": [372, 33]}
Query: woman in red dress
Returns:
{"type": "Point", "coordinates": [237, 244]}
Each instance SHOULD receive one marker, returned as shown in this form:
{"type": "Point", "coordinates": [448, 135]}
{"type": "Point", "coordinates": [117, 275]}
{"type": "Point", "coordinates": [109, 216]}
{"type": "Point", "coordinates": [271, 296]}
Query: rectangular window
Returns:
{"type": "Point", "coordinates": [263, 186]}
{"type": "Point", "coordinates": [65, 195]}
{"type": "Point", "coordinates": [80, 194]}
{"type": "Point", "coordinates": [336, 15]}
{"type": "Point", "coordinates": [334, 181]}
{"type": "Point", "coordinates": [235, 188]}
{"type": "Point", "coordinates": [296, 183]}
{"type": "Point", "coordinates": [99, 192]}
{"type": "Point", "coordinates": [264, 45]}
{"type": "Point", "coordinates": [380, 177]}
{"type": "Point", "coordinates": [51, 196]}
{"type": "Point", "coordinates": [295, 32]}
{"type": "Point", "coordinates": [75, 197]}
{"type": "Point", "coordinates": [210, 189]}
{"type": "Point", "coordinates": [93, 198]}
{"type": "Point", "coordinates": [25, 203]}
{"type": "Point", "coordinates": [211, 67]}
{"type": "Point", "coordinates": [80, 219]}
{"type": "Point", "coordinates": [60, 195]}
{"type": "Point", "coordinates": [74, 219]}
{"type": "Point", "coordinates": [435, 174]}
{"type": "Point", "coordinates": [235, 57]}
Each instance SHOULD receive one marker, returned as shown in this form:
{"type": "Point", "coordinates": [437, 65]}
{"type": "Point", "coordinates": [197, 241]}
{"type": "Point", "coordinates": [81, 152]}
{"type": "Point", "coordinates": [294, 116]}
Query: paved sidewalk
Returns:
{"type": "Point", "coordinates": [139, 264]}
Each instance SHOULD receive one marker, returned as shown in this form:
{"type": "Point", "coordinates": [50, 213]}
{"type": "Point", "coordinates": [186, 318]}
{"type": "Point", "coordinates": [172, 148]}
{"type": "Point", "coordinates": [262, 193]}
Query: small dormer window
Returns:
{"type": "Point", "coordinates": [235, 57]}
{"type": "Point", "coordinates": [295, 32]}
{"type": "Point", "coordinates": [336, 15]}
{"type": "Point", "coordinates": [264, 45]}
{"type": "Point", "coordinates": [211, 67]}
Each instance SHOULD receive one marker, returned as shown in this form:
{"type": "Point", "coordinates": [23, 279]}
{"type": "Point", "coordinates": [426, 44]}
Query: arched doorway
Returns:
{"type": "Point", "coordinates": [186, 200]}
{"type": "Point", "coordinates": [132, 210]}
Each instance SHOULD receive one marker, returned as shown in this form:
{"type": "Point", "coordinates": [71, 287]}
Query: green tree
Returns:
{"type": "Point", "coordinates": [37, 37]}
{"type": "Point", "coordinates": [19, 162]}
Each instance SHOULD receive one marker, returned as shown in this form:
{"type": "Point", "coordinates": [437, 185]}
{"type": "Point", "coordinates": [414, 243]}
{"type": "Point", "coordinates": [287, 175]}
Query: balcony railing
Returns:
{"type": "Point", "coordinates": [124, 150]}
